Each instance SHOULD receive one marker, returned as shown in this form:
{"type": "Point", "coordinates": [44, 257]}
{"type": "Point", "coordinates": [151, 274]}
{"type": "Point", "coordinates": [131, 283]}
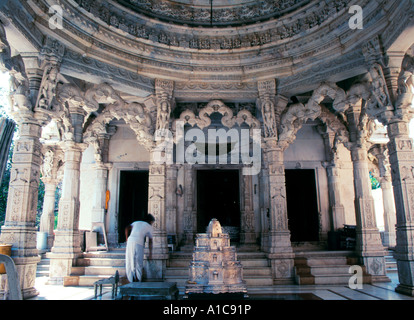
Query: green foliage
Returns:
{"type": "Point", "coordinates": [4, 186]}
{"type": "Point", "coordinates": [374, 182]}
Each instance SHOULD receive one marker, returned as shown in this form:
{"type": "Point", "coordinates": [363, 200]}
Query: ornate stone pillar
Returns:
{"type": "Point", "coordinates": [332, 167]}
{"type": "Point", "coordinates": [190, 214]}
{"type": "Point", "coordinates": [369, 246]}
{"type": "Point", "coordinates": [264, 204]}
{"type": "Point", "coordinates": [66, 248]}
{"type": "Point", "coordinates": [247, 232]}
{"type": "Point", "coordinates": [368, 243]}
{"type": "Point", "coordinates": [381, 154]}
{"type": "Point", "coordinates": [100, 142]}
{"type": "Point", "coordinates": [389, 212]}
{"type": "Point", "coordinates": [401, 159]}
{"type": "Point", "coordinates": [19, 227]}
{"type": "Point", "coordinates": [280, 248]}
{"type": "Point", "coordinates": [158, 182]}
{"type": "Point", "coordinates": [335, 204]}
{"type": "Point", "coordinates": [171, 200]}
{"type": "Point", "coordinates": [156, 206]}
{"type": "Point", "coordinates": [99, 197]}
{"type": "Point", "coordinates": [50, 169]}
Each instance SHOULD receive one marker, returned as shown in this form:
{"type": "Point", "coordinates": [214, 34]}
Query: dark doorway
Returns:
{"type": "Point", "coordinates": [133, 199]}
{"type": "Point", "coordinates": [302, 205]}
{"type": "Point", "coordinates": [218, 197]}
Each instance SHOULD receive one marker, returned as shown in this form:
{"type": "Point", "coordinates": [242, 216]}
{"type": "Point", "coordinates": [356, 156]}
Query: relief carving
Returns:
{"type": "Point", "coordinates": [228, 120]}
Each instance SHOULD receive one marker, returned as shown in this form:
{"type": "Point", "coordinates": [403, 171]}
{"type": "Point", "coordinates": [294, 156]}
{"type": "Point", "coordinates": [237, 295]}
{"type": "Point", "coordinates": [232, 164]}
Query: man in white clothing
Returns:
{"type": "Point", "coordinates": [134, 258]}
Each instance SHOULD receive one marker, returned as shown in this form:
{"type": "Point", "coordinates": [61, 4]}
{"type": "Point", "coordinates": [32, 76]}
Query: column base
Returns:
{"type": "Point", "coordinates": [26, 271]}
{"type": "Point", "coordinates": [403, 289]}
{"type": "Point", "coordinates": [282, 267]}
{"type": "Point", "coordinates": [405, 276]}
{"type": "Point", "coordinates": [61, 266]}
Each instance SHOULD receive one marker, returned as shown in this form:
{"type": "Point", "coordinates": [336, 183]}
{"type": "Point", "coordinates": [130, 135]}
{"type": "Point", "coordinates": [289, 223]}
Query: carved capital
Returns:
{"type": "Point", "coordinates": [52, 52]}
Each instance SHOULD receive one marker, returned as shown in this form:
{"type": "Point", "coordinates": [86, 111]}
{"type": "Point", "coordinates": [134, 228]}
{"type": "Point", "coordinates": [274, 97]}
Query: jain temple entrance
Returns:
{"type": "Point", "coordinates": [218, 196]}
{"type": "Point", "coordinates": [120, 84]}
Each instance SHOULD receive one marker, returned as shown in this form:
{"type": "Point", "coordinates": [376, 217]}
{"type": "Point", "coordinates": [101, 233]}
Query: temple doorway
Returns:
{"type": "Point", "coordinates": [218, 196]}
{"type": "Point", "coordinates": [133, 199]}
{"type": "Point", "coordinates": [302, 205]}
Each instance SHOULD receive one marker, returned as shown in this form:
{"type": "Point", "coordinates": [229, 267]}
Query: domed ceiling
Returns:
{"type": "Point", "coordinates": [213, 12]}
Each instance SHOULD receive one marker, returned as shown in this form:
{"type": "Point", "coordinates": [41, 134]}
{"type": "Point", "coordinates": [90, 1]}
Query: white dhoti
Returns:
{"type": "Point", "coordinates": [134, 259]}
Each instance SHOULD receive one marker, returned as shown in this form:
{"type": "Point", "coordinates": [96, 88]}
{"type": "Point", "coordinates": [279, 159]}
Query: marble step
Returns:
{"type": "Point", "coordinates": [247, 272]}
{"type": "Point", "coordinates": [321, 261]}
{"type": "Point", "coordinates": [98, 270]}
{"type": "Point", "coordinates": [177, 263]}
{"type": "Point", "coordinates": [391, 264]}
{"type": "Point", "coordinates": [115, 262]}
{"type": "Point", "coordinates": [324, 279]}
{"type": "Point", "coordinates": [323, 270]}
{"type": "Point", "coordinates": [87, 280]}
{"type": "Point", "coordinates": [43, 268]}
{"type": "Point", "coordinates": [258, 281]}
{"type": "Point", "coordinates": [117, 254]}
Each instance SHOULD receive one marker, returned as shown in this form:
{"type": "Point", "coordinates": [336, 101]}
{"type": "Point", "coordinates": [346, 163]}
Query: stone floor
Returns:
{"type": "Point", "coordinates": [378, 291]}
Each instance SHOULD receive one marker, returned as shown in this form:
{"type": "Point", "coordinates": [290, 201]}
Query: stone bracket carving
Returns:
{"type": "Point", "coordinates": [266, 101]}
{"type": "Point", "coordinates": [165, 103]}
{"type": "Point", "coordinates": [297, 114]}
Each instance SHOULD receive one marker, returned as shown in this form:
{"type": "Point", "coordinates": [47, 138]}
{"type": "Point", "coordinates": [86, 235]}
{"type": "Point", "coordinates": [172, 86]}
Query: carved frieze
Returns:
{"type": "Point", "coordinates": [131, 24]}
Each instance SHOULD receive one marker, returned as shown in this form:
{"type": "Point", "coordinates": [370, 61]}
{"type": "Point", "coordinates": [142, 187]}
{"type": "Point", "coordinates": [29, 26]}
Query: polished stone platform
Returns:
{"type": "Point", "coordinates": [379, 291]}
{"type": "Point", "coordinates": [149, 291]}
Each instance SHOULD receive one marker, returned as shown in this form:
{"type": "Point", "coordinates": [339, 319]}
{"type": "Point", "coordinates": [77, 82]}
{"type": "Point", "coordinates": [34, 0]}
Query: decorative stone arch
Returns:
{"type": "Point", "coordinates": [228, 120]}
{"type": "Point", "coordinates": [134, 114]}
{"type": "Point", "coordinates": [297, 114]}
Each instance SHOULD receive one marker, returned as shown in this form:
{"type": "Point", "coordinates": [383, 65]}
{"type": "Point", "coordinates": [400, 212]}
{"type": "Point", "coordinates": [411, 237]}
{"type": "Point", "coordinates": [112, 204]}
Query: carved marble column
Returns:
{"type": "Point", "coordinates": [336, 207]}
{"type": "Point", "coordinates": [332, 167]}
{"type": "Point", "coordinates": [19, 227]}
{"type": "Point", "coordinates": [401, 159]}
{"type": "Point", "coordinates": [264, 204]}
{"type": "Point", "coordinates": [171, 200]}
{"type": "Point", "coordinates": [99, 195]}
{"type": "Point", "coordinates": [100, 142]}
{"type": "Point", "coordinates": [66, 248]}
{"type": "Point", "coordinates": [49, 176]}
{"type": "Point", "coordinates": [247, 232]}
{"type": "Point", "coordinates": [157, 207]}
{"type": "Point", "coordinates": [280, 248]}
{"type": "Point", "coordinates": [190, 214]}
{"type": "Point", "coordinates": [157, 183]}
{"type": "Point", "coordinates": [381, 154]}
{"type": "Point", "coordinates": [389, 212]}
{"type": "Point", "coordinates": [369, 246]}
